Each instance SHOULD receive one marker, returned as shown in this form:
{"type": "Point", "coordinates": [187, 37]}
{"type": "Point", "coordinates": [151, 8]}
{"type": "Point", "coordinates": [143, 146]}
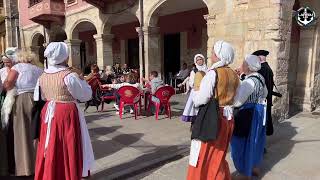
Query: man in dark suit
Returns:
{"type": "Point", "coordinates": [267, 73]}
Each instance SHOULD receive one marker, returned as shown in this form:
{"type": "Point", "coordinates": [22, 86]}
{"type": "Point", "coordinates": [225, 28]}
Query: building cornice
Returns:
{"type": "Point", "coordinates": [79, 10]}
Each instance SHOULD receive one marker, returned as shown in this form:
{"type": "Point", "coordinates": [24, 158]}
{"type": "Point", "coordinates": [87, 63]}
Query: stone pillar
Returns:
{"type": "Point", "coordinates": [123, 51]}
{"type": "Point", "coordinates": [211, 21]}
{"type": "Point", "coordinates": [74, 53]}
{"type": "Point", "coordinates": [3, 44]}
{"type": "Point", "coordinates": [104, 49]}
{"type": "Point", "coordinates": [306, 69]}
{"type": "Point", "coordinates": [152, 49]}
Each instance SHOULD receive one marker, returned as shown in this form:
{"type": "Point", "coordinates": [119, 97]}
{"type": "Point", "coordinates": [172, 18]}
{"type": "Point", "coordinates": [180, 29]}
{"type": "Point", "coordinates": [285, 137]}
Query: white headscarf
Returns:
{"type": "Point", "coordinates": [203, 67]}
{"type": "Point", "coordinates": [11, 54]}
{"type": "Point", "coordinates": [56, 53]}
{"type": "Point", "coordinates": [253, 62]}
{"type": "Point", "coordinates": [225, 52]}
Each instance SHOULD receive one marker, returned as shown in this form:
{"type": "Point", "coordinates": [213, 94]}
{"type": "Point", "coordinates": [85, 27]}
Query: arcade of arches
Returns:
{"type": "Point", "coordinates": [173, 34]}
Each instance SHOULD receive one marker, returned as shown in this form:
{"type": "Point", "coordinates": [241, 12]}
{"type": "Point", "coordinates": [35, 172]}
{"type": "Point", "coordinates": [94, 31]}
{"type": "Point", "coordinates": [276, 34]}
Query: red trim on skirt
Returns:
{"type": "Point", "coordinates": [211, 162]}
{"type": "Point", "coordinates": [63, 159]}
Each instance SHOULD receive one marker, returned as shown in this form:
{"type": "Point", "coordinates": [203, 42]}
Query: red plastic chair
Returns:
{"type": "Point", "coordinates": [163, 94]}
{"type": "Point", "coordinates": [129, 95]}
{"type": "Point", "coordinates": [105, 98]}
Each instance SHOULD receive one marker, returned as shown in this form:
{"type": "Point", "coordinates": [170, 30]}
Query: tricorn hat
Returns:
{"type": "Point", "coordinates": [261, 53]}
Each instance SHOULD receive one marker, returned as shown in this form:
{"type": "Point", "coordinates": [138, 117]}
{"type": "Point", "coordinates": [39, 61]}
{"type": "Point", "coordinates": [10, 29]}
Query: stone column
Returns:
{"type": "Point", "coordinates": [211, 21]}
{"type": "Point", "coordinates": [74, 53]}
{"type": "Point", "coordinates": [104, 49]}
{"type": "Point", "coordinates": [152, 50]}
{"type": "Point", "coordinates": [3, 48]}
{"type": "Point", "coordinates": [306, 69]}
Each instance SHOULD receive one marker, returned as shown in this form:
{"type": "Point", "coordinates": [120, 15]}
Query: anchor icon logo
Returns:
{"type": "Point", "coordinates": [305, 16]}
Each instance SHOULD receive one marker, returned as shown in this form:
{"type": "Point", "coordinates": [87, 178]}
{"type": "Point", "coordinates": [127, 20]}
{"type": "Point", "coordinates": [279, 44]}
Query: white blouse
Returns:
{"type": "Point", "coordinates": [4, 74]}
{"type": "Point", "coordinates": [80, 90]}
{"type": "Point", "coordinates": [27, 77]}
{"type": "Point", "coordinates": [245, 89]}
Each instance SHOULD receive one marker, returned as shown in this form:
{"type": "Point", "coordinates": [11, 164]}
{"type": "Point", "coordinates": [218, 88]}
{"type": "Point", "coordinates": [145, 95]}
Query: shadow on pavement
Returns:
{"type": "Point", "coordinates": [103, 148]}
{"type": "Point", "coordinates": [147, 157]}
{"type": "Point", "coordinates": [276, 150]}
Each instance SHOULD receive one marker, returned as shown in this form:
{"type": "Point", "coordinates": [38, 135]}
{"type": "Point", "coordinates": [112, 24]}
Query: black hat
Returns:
{"type": "Point", "coordinates": [261, 53]}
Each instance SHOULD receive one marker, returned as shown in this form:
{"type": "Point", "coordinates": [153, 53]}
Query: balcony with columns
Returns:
{"type": "Point", "coordinates": [45, 12]}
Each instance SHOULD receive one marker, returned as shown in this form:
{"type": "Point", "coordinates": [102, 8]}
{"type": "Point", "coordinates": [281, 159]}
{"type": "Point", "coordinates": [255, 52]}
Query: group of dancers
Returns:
{"type": "Point", "coordinates": [247, 90]}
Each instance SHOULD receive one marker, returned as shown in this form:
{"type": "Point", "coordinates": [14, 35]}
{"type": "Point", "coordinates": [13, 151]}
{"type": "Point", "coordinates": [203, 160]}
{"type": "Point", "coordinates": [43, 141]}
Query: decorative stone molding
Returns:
{"type": "Point", "coordinates": [103, 37]}
{"type": "Point", "coordinates": [151, 30]}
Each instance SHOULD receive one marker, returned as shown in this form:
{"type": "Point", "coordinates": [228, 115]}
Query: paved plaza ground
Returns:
{"type": "Point", "coordinates": [158, 150]}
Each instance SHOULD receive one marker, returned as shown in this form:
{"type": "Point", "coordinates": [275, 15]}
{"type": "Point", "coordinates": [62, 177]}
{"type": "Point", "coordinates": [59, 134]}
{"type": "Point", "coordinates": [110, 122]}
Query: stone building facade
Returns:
{"type": "Point", "coordinates": [105, 32]}
{"type": "Point", "coordinates": [9, 24]}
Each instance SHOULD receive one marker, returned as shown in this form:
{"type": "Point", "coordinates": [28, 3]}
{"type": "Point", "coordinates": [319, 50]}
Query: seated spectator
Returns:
{"type": "Point", "coordinates": [129, 81]}
{"type": "Point", "coordinates": [183, 73]}
{"type": "Point", "coordinates": [122, 79]}
{"type": "Point", "coordinates": [117, 69]}
{"type": "Point", "coordinates": [94, 73]}
{"type": "Point", "coordinates": [125, 69]}
{"type": "Point", "coordinates": [107, 75]}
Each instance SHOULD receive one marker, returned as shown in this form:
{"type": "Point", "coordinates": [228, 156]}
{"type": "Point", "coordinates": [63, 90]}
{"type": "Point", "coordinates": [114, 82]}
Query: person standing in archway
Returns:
{"type": "Point", "coordinates": [207, 158]}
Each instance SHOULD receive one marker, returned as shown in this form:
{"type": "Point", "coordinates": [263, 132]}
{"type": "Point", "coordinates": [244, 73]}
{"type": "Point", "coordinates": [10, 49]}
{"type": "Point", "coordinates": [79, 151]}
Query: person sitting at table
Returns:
{"type": "Point", "coordinates": [117, 69]}
{"type": "Point", "coordinates": [153, 85]}
{"type": "Point", "coordinates": [94, 73]}
{"type": "Point", "coordinates": [122, 79]}
{"type": "Point", "coordinates": [107, 75]}
{"type": "Point", "coordinates": [129, 81]}
{"type": "Point", "coordinates": [125, 69]}
{"type": "Point", "coordinates": [187, 80]}
{"type": "Point", "coordinates": [183, 73]}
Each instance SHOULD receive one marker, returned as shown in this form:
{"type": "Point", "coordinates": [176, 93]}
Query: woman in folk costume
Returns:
{"type": "Point", "coordinates": [207, 159]}
{"type": "Point", "coordinates": [64, 150]}
{"type": "Point", "coordinates": [190, 112]}
{"type": "Point", "coordinates": [249, 136]}
{"type": "Point", "coordinates": [23, 77]}
{"type": "Point", "coordinates": [8, 60]}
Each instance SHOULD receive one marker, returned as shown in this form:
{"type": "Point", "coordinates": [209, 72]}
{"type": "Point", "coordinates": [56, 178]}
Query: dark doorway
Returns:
{"type": "Point", "coordinates": [83, 58]}
{"type": "Point", "coordinates": [41, 49]}
{"type": "Point", "coordinates": [133, 53]}
{"type": "Point", "coordinates": [171, 55]}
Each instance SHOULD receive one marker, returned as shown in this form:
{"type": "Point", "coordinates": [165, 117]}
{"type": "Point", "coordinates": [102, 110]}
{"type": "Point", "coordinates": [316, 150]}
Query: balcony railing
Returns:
{"type": "Point", "coordinates": [47, 11]}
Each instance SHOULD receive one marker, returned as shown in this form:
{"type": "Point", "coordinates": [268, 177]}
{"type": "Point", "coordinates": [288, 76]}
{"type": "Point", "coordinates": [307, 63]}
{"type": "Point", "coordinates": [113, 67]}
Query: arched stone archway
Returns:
{"type": "Point", "coordinates": [122, 37]}
{"type": "Point", "coordinates": [37, 46]}
{"type": "Point", "coordinates": [174, 34]}
{"type": "Point", "coordinates": [83, 48]}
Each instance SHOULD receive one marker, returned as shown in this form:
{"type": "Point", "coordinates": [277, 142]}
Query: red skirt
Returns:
{"type": "Point", "coordinates": [211, 162]}
{"type": "Point", "coordinates": [63, 157]}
